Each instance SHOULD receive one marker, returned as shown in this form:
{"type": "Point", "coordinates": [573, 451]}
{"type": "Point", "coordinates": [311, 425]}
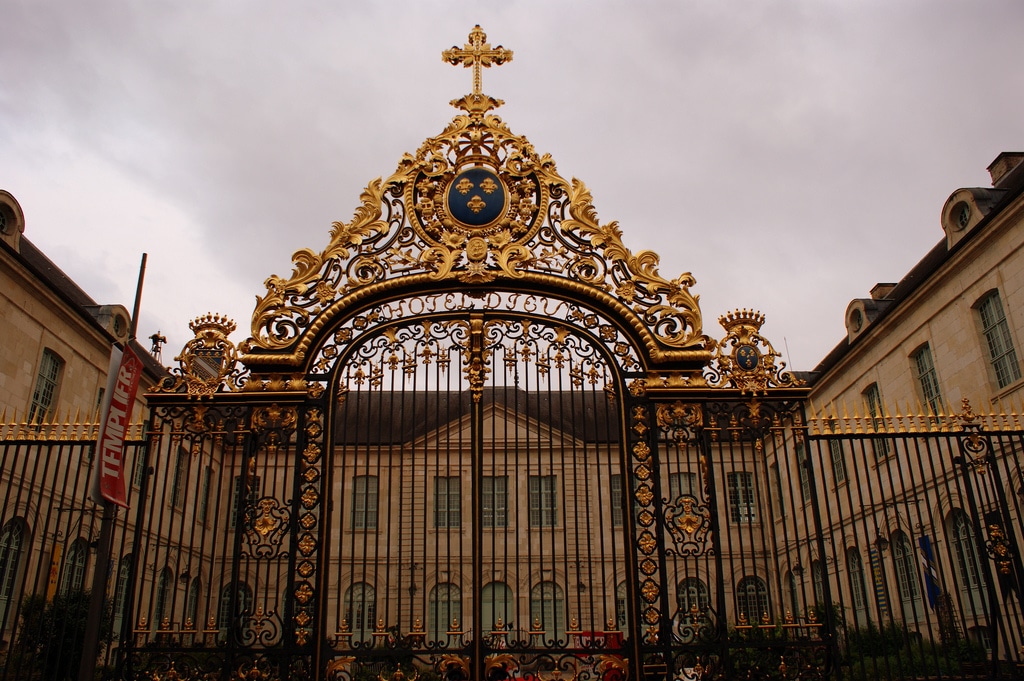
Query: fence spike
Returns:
{"type": "Point", "coordinates": [140, 427]}
{"type": "Point", "coordinates": [77, 424]}
{"type": "Point", "coordinates": [907, 415]}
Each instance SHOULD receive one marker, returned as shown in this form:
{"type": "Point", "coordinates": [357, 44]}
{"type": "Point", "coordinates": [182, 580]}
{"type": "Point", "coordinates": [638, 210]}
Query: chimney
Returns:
{"type": "Point", "coordinates": [880, 291]}
{"type": "Point", "coordinates": [1004, 164]}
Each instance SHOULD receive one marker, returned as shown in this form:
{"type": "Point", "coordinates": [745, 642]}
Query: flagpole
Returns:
{"type": "Point", "coordinates": [105, 543]}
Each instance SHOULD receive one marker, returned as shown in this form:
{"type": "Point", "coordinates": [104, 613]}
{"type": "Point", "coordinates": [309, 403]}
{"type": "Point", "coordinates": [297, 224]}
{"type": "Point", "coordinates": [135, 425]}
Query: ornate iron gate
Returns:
{"type": "Point", "coordinates": [469, 438]}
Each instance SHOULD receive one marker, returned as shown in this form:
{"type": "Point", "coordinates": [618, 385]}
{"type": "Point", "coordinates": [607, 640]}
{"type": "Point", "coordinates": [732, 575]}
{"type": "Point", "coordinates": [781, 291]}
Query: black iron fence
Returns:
{"type": "Point", "coordinates": [782, 548]}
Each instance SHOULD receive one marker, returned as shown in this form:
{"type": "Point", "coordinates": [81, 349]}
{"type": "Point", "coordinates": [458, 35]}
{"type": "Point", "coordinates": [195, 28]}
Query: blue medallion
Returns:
{"type": "Point", "coordinates": [747, 357]}
{"type": "Point", "coordinates": [476, 197]}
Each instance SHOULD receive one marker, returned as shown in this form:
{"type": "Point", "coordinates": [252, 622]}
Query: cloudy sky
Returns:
{"type": "Point", "coordinates": [789, 154]}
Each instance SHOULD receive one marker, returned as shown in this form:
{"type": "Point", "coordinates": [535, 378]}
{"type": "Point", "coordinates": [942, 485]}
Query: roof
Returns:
{"type": "Point", "coordinates": [64, 287]}
{"type": "Point", "coordinates": [392, 418]}
{"type": "Point", "coordinates": [928, 265]}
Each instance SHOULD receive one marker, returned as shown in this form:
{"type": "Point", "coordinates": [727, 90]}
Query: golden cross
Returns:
{"type": "Point", "coordinates": [477, 53]}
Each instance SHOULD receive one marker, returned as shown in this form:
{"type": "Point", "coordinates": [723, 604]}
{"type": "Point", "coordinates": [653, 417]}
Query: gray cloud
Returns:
{"type": "Point", "coordinates": [789, 154]}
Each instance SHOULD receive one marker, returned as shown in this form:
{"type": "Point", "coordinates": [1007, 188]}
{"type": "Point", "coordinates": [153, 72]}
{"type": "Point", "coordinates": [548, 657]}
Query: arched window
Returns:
{"type": "Point", "coordinates": [496, 599]}
{"type": "Point", "coordinates": [794, 594]}
{"type": "Point", "coordinates": [692, 592]}
{"type": "Point", "coordinates": [74, 567]}
{"type": "Point", "coordinates": [360, 608]}
{"type": "Point", "coordinates": [1002, 355]}
{"type": "Point", "coordinates": [818, 577]}
{"type": "Point", "coordinates": [968, 566]}
{"type": "Point", "coordinates": [121, 592]}
{"type": "Point", "coordinates": [906, 567]}
{"type": "Point", "coordinates": [162, 597]}
{"type": "Point", "coordinates": [443, 609]}
{"type": "Point", "coordinates": [12, 548]}
{"type": "Point", "coordinates": [51, 366]}
{"type": "Point", "coordinates": [855, 570]}
{"type": "Point", "coordinates": [547, 606]}
{"type": "Point", "coordinates": [962, 538]}
{"type": "Point", "coordinates": [752, 598]}
{"type": "Point", "coordinates": [180, 480]}
{"type": "Point", "coordinates": [621, 607]}
{"type": "Point", "coordinates": [226, 618]}
{"type": "Point", "coordinates": [192, 603]}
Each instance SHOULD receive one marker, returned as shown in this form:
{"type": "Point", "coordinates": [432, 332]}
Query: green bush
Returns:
{"type": "Point", "coordinates": [51, 634]}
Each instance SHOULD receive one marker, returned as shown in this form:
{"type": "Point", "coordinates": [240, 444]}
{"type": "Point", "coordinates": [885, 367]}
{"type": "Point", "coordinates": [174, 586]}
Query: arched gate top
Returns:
{"type": "Point", "coordinates": [476, 207]}
{"type": "Point", "coordinates": [475, 211]}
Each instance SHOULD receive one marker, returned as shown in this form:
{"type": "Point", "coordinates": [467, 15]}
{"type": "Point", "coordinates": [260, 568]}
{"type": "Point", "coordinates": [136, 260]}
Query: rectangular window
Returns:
{"type": "Point", "coordinates": [873, 399]}
{"type": "Point", "coordinates": [47, 382]}
{"type": "Point", "coordinates": [494, 490]}
{"type": "Point", "coordinates": [927, 379]}
{"type": "Point", "coordinates": [780, 500]}
{"type": "Point", "coordinates": [447, 502]}
{"type": "Point", "coordinates": [1001, 352]}
{"type": "Point", "coordinates": [805, 474]}
{"type": "Point", "coordinates": [204, 498]}
{"type": "Point", "coordinates": [741, 497]}
{"type": "Point", "coordinates": [180, 479]}
{"type": "Point", "coordinates": [139, 474]}
{"type": "Point", "coordinates": [682, 483]}
{"type": "Point", "coordinates": [364, 502]}
{"type": "Point", "coordinates": [618, 517]}
{"type": "Point", "coordinates": [247, 497]}
{"type": "Point", "coordinates": [543, 506]}
{"type": "Point", "coordinates": [835, 448]}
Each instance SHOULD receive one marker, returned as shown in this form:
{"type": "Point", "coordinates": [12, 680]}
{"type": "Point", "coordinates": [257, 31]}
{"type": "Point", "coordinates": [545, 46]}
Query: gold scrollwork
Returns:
{"type": "Point", "coordinates": [503, 663]}
{"type": "Point", "coordinates": [688, 523]}
{"type": "Point", "coordinates": [612, 667]}
{"type": "Point", "coordinates": [745, 359]}
{"type": "Point", "coordinates": [548, 231]}
{"type": "Point", "coordinates": [453, 663]}
{"type": "Point", "coordinates": [207, 362]}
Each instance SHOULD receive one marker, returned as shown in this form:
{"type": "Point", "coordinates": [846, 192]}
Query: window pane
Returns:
{"type": "Point", "coordinates": [615, 488]}
{"type": "Point", "coordinates": [364, 502]}
{"type": "Point", "coordinates": [543, 509]}
{"type": "Point", "coordinates": [682, 483]}
{"type": "Point", "coordinates": [873, 398]}
{"type": "Point", "coordinates": [45, 391]}
{"type": "Point", "coordinates": [494, 490]}
{"type": "Point", "coordinates": [447, 502]}
{"type": "Point", "coordinates": [927, 379]}
{"type": "Point", "coordinates": [741, 497]}
{"type": "Point", "coordinates": [1001, 352]}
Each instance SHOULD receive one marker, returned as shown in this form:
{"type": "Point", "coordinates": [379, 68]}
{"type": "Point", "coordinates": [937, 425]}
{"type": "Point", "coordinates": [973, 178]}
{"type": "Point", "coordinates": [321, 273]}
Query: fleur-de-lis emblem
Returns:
{"type": "Point", "coordinates": [488, 186]}
{"type": "Point", "coordinates": [476, 204]}
{"type": "Point", "coordinates": [464, 185]}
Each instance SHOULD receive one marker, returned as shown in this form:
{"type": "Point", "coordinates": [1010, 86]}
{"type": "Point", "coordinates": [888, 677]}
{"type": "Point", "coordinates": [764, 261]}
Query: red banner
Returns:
{"type": "Point", "coordinates": [117, 414]}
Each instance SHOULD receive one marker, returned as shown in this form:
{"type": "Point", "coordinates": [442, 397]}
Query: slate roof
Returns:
{"type": "Point", "coordinates": [54, 278]}
{"type": "Point", "coordinates": [382, 418]}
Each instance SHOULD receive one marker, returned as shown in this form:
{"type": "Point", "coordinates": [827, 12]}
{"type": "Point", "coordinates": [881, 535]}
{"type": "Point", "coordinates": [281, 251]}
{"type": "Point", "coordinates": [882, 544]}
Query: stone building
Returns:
{"type": "Point", "coordinates": [937, 350]}
{"type": "Point", "coordinates": [54, 357]}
